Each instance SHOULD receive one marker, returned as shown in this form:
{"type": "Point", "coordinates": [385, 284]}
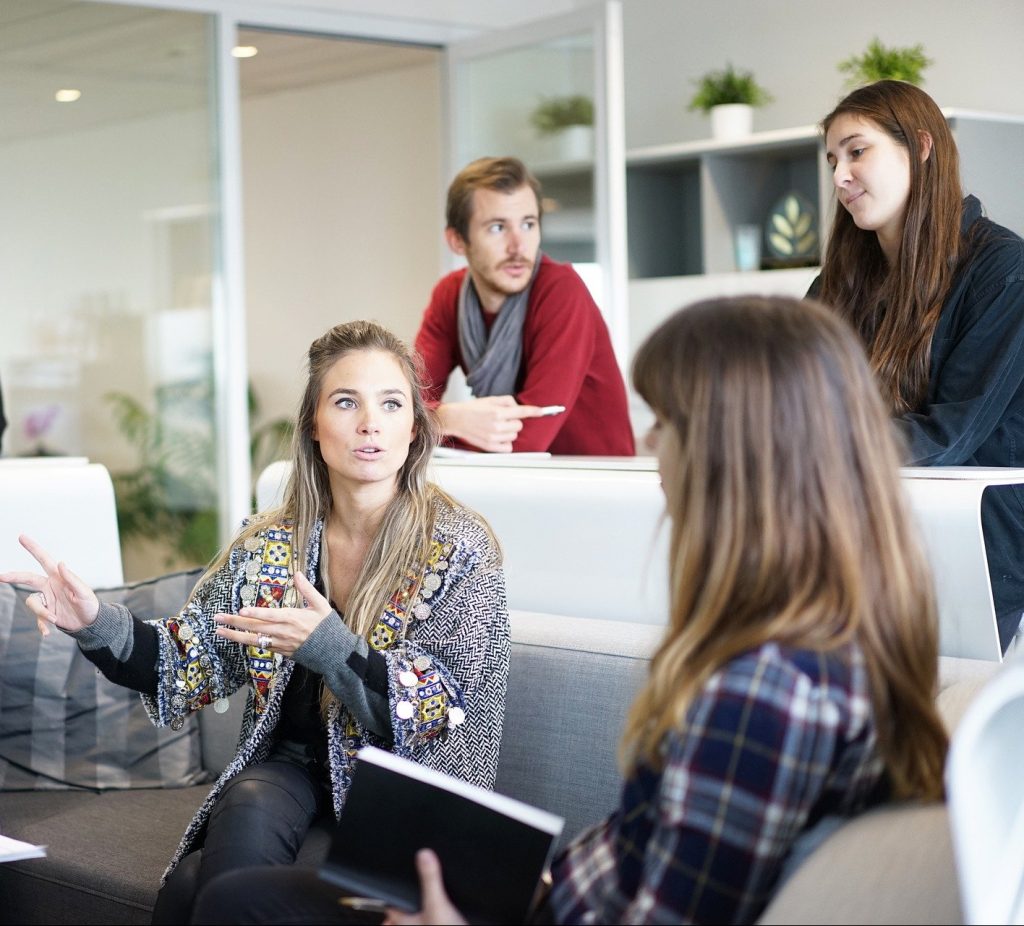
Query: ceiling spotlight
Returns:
{"type": "Point", "coordinates": [245, 51]}
{"type": "Point", "coordinates": [67, 96]}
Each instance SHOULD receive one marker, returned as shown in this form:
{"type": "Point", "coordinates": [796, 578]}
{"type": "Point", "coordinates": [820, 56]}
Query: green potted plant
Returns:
{"type": "Point", "coordinates": [729, 96]}
{"type": "Point", "coordinates": [171, 496]}
{"type": "Point", "coordinates": [878, 62]}
{"type": "Point", "coordinates": [571, 118]}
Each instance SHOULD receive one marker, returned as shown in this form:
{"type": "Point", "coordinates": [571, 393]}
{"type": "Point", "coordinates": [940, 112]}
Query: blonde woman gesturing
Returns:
{"type": "Point", "coordinates": [369, 608]}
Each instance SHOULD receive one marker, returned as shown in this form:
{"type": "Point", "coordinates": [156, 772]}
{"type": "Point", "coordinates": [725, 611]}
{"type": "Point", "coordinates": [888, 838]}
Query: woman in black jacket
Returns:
{"type": "Point", "coordinates": [936, 292]}
{"type": "Point", "coordinates": [3, 420]}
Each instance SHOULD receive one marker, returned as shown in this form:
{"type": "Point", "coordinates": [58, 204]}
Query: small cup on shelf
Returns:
{"type": "Point", "coordinates": [747, 241]}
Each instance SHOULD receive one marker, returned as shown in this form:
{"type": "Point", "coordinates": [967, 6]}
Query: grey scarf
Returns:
{"type": "Point", "coordinates": [492, 361]}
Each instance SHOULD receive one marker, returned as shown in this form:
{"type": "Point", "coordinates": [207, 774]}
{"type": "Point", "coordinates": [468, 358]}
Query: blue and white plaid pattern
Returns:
{"type": "Point", "coordinates": [775, 741]}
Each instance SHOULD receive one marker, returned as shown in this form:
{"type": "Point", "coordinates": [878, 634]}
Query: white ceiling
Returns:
{"type": "Point", "coordinates": [287, 61]}
{"type": "Point", "coordinates": [131, 63]}
{"type": "Point", "coordinates": [480, 14]}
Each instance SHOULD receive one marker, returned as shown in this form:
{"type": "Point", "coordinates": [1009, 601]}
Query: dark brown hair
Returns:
{"type": "Point", "coordinates": [503, 174]}
{"type": "Point", "coordinates": [895, 309]}
{"type": "Point", "coordinates": [788, 520]}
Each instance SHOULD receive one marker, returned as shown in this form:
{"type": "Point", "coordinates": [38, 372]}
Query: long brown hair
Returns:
{"type": "Point", "coordinates": [788, 522]}
{"type": "Point", "coordinates": [895, 309]}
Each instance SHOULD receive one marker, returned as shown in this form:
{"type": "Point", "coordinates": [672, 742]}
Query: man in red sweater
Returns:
{"type": "Point", "coordinates": [523, 327]}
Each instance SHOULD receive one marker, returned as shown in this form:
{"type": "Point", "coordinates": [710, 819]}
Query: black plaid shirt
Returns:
{"type": "Point", "coordinates": [777, 740]}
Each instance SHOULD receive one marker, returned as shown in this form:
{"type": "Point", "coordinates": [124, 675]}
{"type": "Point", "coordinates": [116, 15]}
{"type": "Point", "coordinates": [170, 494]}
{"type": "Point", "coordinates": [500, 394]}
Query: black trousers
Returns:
{"type": "Point", "coordinates": [260, 818]}
{"type": "Point", "coordinates": [286, 895]}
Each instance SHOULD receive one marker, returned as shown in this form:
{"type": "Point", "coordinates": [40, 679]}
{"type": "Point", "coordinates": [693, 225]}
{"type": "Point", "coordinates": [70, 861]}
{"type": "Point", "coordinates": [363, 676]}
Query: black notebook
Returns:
{"type": "Point", "coordinates": [493, 849]}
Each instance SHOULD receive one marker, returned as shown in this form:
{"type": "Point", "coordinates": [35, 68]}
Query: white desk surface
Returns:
{"type": "Point", "coordinates": [986, 475]}
{"type": "Point", "coordinates": [526, 460]}
{"type": "Point", "coordinates": [989, 475]}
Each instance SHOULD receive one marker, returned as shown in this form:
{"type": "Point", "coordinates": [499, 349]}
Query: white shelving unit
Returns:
{"type": "Point", "coordinates": [686, 200]}
{"type": "Point", "coordinates": [569, 229]}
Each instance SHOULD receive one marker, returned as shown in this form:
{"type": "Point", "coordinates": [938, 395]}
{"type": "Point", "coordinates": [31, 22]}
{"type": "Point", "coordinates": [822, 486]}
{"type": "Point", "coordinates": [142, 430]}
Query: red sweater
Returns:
{"type": "Point", "coordinates": [567, 360]}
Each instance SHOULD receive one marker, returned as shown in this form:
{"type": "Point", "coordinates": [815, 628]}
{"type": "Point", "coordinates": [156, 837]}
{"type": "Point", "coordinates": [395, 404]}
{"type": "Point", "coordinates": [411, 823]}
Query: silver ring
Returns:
{"type": "Point", "coordinates": [264, 641]}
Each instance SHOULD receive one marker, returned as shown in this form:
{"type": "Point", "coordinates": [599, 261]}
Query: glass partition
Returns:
{"type": "Point", "coordinates": [107, 240]}
{"type": "Point", "coordinates": [536, 102]}
{"type": "Point", "coordinates": [550, 93]}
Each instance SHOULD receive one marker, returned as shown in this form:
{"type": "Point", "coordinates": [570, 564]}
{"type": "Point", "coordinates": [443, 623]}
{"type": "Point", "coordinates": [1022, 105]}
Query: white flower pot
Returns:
{"type": "Point", "coordinates": [576, 143]}
{"type": "Point", "coordinates": [731, 120]}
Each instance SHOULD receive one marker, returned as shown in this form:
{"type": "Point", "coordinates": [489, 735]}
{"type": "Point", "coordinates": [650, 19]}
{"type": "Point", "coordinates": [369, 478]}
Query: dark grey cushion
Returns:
{"type": "Point", "coordinates": [63, 725]}
{"type": "Point", "coordinates": [106, 853]}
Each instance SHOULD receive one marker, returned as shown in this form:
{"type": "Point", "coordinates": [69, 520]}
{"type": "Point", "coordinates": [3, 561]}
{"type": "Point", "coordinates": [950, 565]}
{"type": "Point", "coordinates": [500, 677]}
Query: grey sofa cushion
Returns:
{"type": "Point", "coordinates": [62, 725]}
{"type": "Point", "coordinates": [571, 681]}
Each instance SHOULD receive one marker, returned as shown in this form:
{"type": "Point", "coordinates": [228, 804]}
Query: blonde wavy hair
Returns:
{"type": "Point", "coordinates": [403, 540]}
{"type": "Point", "coordinates": [788, 522]}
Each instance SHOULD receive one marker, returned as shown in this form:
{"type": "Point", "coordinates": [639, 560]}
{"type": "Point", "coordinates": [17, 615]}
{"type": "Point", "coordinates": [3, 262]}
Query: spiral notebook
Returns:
{"type": "Point", "coordinates": [493, 849]}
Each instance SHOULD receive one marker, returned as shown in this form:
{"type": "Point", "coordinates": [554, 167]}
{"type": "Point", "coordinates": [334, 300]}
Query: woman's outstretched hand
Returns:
{"type": "Point", "coordinates": [282, 630]}
{"type": "Point", "coordinates": [437, 907]}
{"type": "Point", "coordinates": [61, 598]}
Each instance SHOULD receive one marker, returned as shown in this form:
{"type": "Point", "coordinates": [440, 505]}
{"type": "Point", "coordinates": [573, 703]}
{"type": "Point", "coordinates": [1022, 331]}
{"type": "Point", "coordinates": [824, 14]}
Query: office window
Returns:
{"type": "Point", "coordinates": [107, 259]}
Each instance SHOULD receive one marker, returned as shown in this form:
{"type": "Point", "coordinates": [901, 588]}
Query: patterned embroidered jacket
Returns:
{"type": "Point", "coordinates": [447, 654]}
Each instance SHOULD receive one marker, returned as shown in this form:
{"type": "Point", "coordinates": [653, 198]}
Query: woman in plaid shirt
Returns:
{"type": "Point", "coordinates": [796, 679]}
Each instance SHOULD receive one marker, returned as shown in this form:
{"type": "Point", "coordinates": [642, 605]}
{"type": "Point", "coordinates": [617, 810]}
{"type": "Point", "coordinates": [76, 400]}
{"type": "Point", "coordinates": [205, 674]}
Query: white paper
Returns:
{"type": "Point", "coordinates": [456, 453]}
{"type": "Point", "coordinates": [11, 850]}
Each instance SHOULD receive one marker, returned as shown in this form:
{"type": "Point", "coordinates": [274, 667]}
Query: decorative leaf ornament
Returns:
{"type": "Point", "coordinates": [792, 230]}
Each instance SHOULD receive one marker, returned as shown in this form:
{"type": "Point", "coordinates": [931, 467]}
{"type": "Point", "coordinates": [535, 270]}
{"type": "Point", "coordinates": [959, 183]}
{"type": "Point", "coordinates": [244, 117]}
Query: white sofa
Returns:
{"type": "Point", "coordinates": [586, 536]}
{"type": "Point", "coordinates": [67, 505]}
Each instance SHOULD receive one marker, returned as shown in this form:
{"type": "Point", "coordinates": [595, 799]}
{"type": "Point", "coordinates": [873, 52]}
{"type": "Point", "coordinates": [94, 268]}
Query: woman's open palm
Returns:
{"type": "Point", "coordinates": [62, 598]}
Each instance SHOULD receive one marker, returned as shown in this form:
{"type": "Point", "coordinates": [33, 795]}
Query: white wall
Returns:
{"type": "Point", "coordinates": [81, 254]}
{"type": "Point", "coordinates": [793, 48]}
{"type": "Point", "coordinates": [343, 216]}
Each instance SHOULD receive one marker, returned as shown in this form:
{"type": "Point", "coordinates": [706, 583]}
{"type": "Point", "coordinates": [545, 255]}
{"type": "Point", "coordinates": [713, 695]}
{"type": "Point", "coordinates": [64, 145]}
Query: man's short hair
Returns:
{"type": "Point", "coordinates": [505, 175]}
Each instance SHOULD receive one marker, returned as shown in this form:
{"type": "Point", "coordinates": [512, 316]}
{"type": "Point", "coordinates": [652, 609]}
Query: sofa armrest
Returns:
{"type": "Point", "coordinates": [892, 865]}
